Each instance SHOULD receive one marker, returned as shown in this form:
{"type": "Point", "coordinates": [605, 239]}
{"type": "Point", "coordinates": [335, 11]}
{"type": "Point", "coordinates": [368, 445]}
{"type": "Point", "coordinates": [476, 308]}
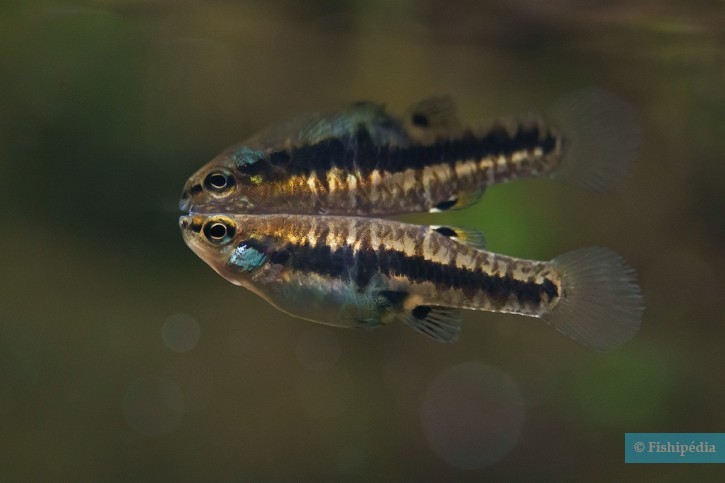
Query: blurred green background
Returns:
{"type": "Point", "coordinates": [124, 357]}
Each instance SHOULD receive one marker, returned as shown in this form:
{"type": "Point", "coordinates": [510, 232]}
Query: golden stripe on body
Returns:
{"type": "Point", "coordinates": [406, 240]}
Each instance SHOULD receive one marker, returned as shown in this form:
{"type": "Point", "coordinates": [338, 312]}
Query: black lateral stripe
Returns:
{"type": "Point", "coordinates": [417, 270]}
{"type": "Point", "coordinates": [496, 142]}
{"type": "Point", "coordinates": [305, 258]}
{"type": "Point", "coordinates": [360, 266]}
{"type": "Point", "coordinates": [360, 154]}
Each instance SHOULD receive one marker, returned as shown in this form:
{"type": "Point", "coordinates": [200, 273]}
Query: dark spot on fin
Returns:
{"type": "Point", "coordinates": [462, 200]}
{"type": "Point", "coordinates": [433, 114]}
{"type": "Point", "coordinates": [446, 231]}
{"type": "Point", "coordinates": [440, 323]}
{"type": "Point", "coordinates": [420, 120]}
{"type": "Point", "coordinates": [420, 312]}
{"type": "Point", "coordinates": [469, 236]}
{"type": "Point", "coordinates": [444, 205]}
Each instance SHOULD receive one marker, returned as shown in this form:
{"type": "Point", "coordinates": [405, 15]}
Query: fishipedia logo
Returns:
{"type": "Point", "coordinates": [674, 448]}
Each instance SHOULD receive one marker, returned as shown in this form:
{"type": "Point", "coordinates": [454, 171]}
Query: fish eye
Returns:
{"type": "Point", "coordinates": [219, 231]}
{"type": "Point", "coordinates": [219, 181]}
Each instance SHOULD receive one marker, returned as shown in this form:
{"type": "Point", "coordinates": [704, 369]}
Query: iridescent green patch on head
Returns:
{"type": "Point", "coordinates": [246, 257]}
{"type": "Point", "coordinates": [245, 156]}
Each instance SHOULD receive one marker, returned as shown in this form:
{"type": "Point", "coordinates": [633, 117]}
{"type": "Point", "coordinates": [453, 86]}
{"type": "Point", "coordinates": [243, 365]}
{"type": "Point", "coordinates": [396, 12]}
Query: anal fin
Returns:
{"type": "Point", "coordinates": [442, 324]}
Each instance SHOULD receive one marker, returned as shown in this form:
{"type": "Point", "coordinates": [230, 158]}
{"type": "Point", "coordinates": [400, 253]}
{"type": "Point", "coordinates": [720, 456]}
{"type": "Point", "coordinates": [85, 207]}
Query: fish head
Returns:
{"type": "Point", "coordinates": [233, 245]}
{"type": "Point", "coordinates": [236, 181]}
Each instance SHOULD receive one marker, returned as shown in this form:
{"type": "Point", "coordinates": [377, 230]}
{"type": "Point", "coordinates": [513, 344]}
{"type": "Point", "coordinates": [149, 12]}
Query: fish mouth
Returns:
{"type": "Point", "coordinates": [184, 224]}
{"type": "Point", "coordinates": [185, 203]}
{"type": "Point", "coordinates": [188, 230]}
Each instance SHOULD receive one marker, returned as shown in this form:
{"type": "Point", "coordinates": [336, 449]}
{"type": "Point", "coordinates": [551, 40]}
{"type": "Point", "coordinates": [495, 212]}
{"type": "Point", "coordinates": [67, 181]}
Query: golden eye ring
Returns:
{"type": "Point", "coordinates": [219, 181]}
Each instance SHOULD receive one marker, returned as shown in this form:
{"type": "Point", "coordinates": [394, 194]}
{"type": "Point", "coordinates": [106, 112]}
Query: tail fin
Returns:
{"type": "Point", "coordinates": [601, 305]}
{"type": "Point", "coordinates": [601, 134]}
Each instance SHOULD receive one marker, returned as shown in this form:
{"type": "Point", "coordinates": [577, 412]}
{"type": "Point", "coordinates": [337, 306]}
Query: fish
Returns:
{"type": "Point", "coordinates": [363, 272]}
{"type": "Point", "coordinates": [361, 160]}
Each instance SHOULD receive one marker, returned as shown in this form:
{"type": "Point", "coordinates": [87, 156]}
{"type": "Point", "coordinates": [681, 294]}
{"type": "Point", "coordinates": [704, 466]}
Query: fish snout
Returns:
{"type": "Point", "coordinates": [191, 190]}
{"type": "Point", "coordinates": [185, 200]}
{"type": "Point", "coordinates": [184, 222]}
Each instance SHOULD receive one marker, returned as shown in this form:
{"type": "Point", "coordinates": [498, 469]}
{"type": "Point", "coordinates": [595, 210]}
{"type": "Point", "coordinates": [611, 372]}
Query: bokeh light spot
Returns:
{"type": "Point", "coordinates": [472, 415]}
{"type": "Point", "coordinates": [181, 332]}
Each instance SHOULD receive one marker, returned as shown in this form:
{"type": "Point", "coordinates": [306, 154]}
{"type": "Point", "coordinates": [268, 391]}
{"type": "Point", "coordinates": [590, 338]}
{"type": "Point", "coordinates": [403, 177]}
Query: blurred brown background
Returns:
{"type": "Point", "coordinates": [124, 357]}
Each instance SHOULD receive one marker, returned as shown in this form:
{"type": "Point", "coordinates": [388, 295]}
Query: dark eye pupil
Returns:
{"type": "Point", "coordinates": [217, 230]}
{"type": "Point", "coordinates": [218, 180]}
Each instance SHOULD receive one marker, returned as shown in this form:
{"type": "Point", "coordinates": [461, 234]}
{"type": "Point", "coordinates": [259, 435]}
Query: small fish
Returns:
{"type": "Point", "coordinates": [361, 160]}
{"type": "Point", "coordinates": [366, 272]}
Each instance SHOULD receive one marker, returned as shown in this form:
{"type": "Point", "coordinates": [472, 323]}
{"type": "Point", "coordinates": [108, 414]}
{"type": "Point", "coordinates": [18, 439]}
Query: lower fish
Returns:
{"type": "Point", "coordinates": [365, 272]}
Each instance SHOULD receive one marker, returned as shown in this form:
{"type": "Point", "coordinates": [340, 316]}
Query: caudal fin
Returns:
{"type": "Point", "coordinates": [601, 305]}
{"type": "Point", "coordinates": [601, 135]}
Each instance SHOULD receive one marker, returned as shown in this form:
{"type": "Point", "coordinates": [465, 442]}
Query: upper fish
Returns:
{"type": "Point", "coordinates": [360, 159]}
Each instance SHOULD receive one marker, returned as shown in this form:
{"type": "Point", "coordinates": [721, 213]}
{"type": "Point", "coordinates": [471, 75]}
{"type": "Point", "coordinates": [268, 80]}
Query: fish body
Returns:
{"type": "Point", "coordinates": [362, 160]}
{"type": "Point", "coordinates": [366, 272]}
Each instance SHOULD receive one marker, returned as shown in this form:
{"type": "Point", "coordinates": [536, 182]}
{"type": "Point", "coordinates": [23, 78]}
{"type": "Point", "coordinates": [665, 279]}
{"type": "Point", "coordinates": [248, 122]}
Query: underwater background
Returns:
{"type": "Point", "coordinates": [124, 357]}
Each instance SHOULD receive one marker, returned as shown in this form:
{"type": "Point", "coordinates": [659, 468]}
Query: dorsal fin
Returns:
{"type": "Point", "coordinates": [342, 123]}
{"type": "Point", "coordinates": [469, 236]}
{"type": "Point", "coordinates": [432, 115]}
